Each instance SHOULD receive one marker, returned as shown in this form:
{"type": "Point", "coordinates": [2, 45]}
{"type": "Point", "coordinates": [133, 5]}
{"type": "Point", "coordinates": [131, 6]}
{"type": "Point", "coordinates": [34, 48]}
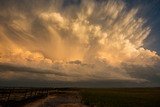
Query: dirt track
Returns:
{"type": "Point", "coordinates": [65, 99]}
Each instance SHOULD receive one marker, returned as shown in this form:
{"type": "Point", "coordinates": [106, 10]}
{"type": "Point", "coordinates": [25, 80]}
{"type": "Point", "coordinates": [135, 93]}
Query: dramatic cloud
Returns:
{"type": "Point", "coordinates": [86, 40]}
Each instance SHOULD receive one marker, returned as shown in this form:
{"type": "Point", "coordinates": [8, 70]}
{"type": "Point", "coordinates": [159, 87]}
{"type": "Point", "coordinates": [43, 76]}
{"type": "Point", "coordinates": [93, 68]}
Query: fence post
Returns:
{"type": "Point", "coordinates": [10, 91]}
{"type": "Point", "coordinates": [25, 93]}
{"type": "Point", "coordinates": [31, 93]}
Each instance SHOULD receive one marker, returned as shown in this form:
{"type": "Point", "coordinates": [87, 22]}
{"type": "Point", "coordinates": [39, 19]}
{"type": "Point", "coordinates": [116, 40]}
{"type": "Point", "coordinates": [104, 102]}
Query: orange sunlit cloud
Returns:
{"type": "Point", "coordinates": [94, 42]}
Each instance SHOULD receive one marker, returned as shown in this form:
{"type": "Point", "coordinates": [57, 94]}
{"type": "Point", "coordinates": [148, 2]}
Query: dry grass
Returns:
{"type": "Point", "coordinates": [133, 97]}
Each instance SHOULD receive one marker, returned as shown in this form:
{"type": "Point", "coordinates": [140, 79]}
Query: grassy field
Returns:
{"type": "Point", "coordinates": [127, 97]}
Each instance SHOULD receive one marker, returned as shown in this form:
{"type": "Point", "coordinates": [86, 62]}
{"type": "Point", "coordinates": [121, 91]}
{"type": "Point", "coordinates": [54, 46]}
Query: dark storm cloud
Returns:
{"type": "Point", "coordinates": [71, 2]}
{"type": "Point", "coordinates": [149, 73]}
{"type": "Point", "coordinates": [86, 84]}
{"type": "Point", "coordinates": [75, 62]}
{"type": "Point", "coordinates": [16, 68]}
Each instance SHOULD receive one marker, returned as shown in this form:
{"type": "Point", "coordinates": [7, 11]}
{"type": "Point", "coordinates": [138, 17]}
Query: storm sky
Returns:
{"type": "Point", "coordinates": [80, 43]}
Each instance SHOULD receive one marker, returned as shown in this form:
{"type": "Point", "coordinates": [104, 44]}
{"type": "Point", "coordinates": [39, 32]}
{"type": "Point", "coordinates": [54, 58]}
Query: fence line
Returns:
{"type": "Point", "coordinates": [21, 95]}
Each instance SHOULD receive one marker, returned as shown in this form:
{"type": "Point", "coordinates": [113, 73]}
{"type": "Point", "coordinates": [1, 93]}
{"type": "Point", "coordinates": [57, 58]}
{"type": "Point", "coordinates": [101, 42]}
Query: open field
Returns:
{"type": "Point", "coordinates": [78, 97]}
{"type": "Point", "coordinates": [127, 97]}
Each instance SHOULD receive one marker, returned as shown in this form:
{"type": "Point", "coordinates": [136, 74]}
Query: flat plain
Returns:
{"type": "Point", "coordinates": [121, 97]}
{"type": "Point", "coordinates": [81, 97]}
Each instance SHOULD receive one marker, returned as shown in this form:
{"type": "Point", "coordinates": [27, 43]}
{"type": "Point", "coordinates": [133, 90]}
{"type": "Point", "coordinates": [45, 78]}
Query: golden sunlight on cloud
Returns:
{"type": "Point", "coordinates": [94, 42]}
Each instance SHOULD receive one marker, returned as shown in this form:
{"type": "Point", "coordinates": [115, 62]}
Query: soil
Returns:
{"type": "Point", "coordinates": [60, 99]}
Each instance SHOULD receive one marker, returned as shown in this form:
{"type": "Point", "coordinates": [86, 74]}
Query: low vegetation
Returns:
{"type": "Point", "coordinates": [111, 97]}
{"type": "Point", "coordinates": [131, 97]}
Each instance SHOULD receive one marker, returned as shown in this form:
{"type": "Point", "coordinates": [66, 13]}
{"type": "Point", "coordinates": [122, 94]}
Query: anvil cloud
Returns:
{"type": "Point", "coordinates": [84, 41]}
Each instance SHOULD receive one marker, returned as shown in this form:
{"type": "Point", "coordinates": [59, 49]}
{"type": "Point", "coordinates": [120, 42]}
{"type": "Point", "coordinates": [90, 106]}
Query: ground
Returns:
{"type": "Point", "coordinates": [63, 99]}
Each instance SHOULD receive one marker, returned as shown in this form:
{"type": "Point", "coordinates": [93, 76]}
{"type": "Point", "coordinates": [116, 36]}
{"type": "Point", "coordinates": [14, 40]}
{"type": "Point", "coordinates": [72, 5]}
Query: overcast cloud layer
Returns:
{"type": "Point", "coordinates": [81, 42]}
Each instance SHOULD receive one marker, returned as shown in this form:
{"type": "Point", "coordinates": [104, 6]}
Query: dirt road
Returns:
{"type": "Point", "coordinates": [60, 99]}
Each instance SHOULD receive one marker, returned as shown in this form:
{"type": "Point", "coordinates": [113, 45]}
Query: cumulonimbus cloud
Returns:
{"type": "Point", "coordinates": [97, 41]}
